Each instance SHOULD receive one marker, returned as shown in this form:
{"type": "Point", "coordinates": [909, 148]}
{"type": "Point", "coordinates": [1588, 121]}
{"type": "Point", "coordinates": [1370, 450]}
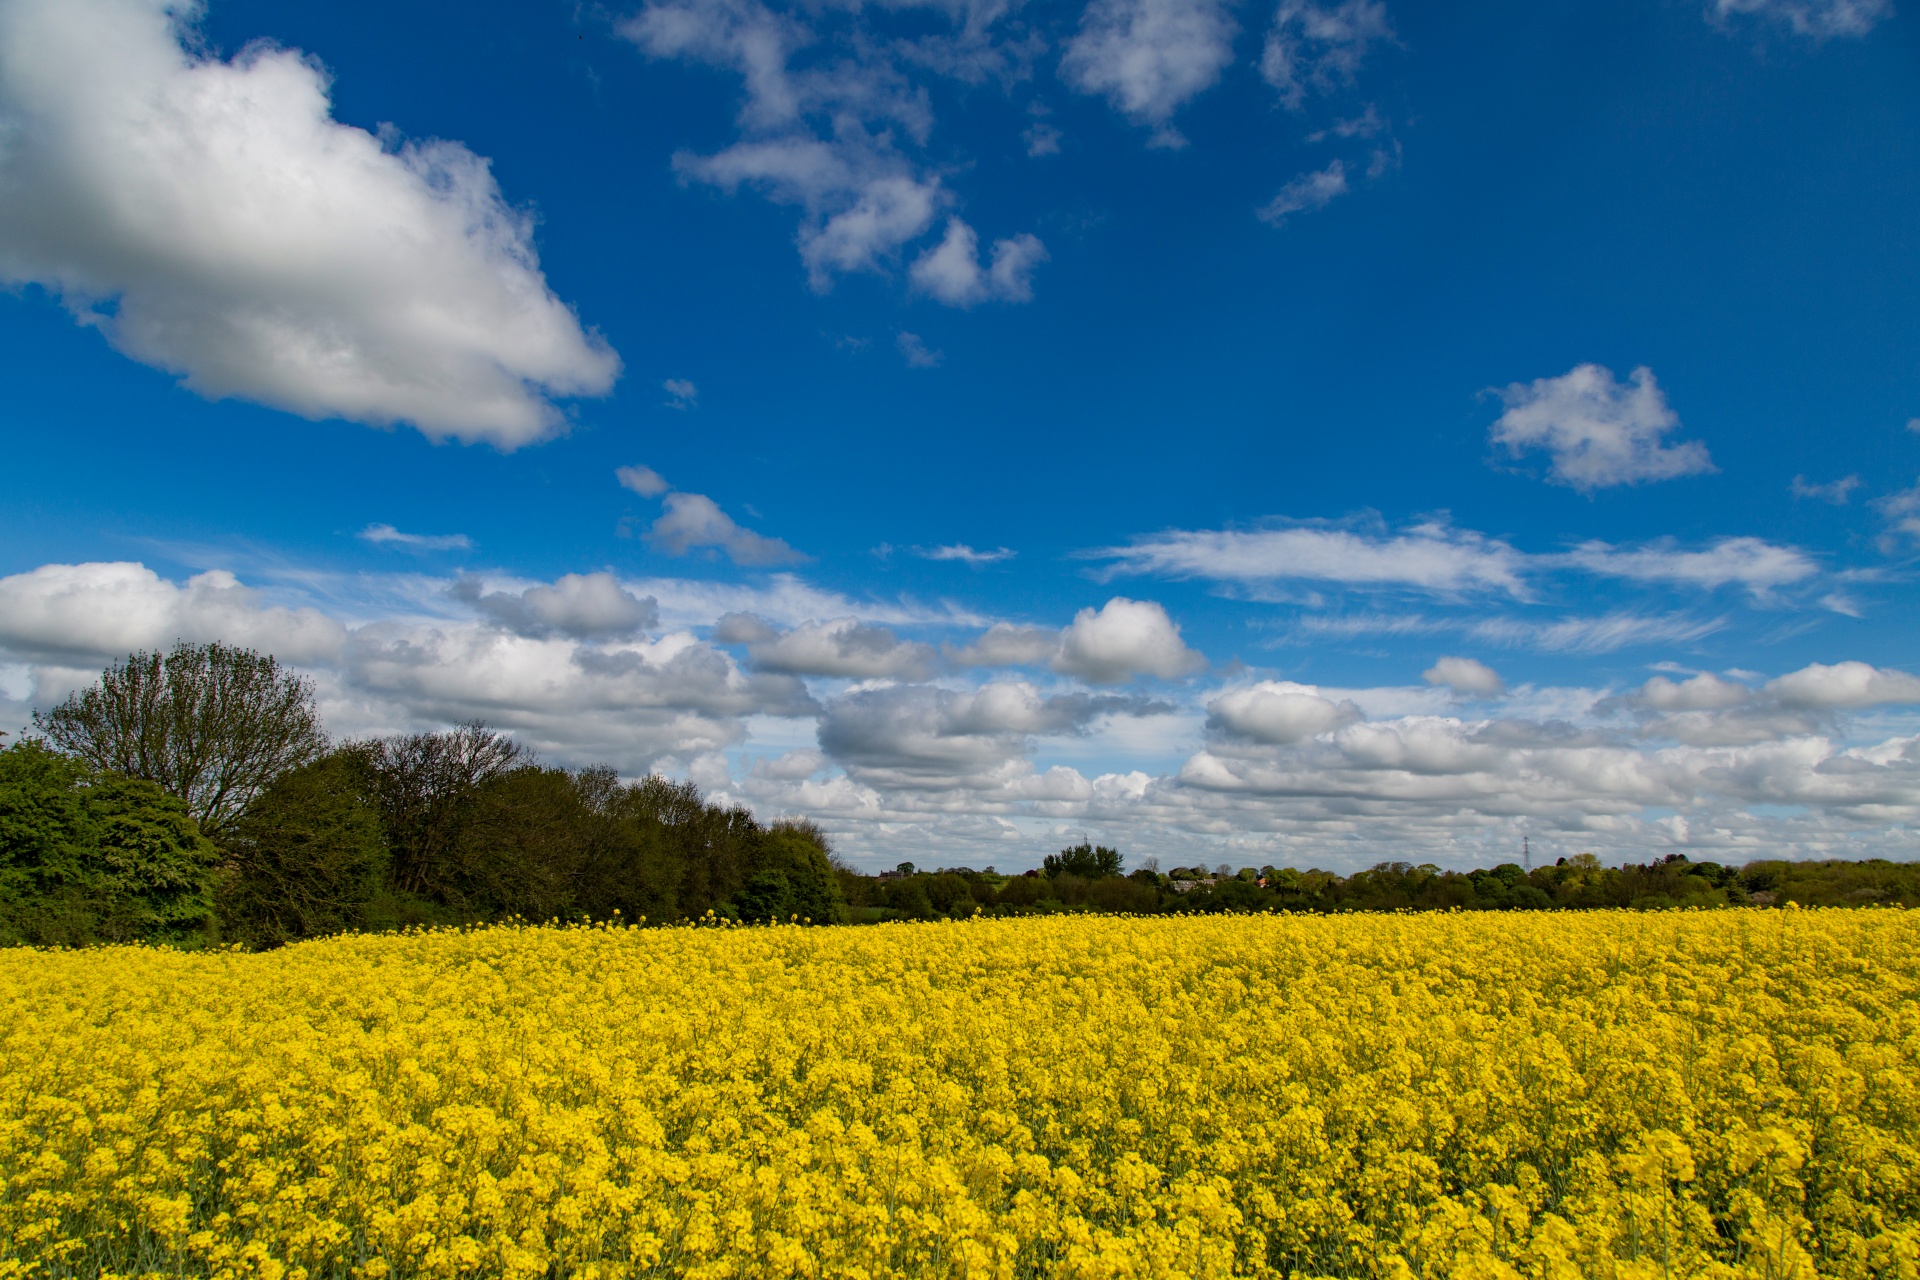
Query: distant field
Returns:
{"type": "Point", "coordinates": [1729, 1093]}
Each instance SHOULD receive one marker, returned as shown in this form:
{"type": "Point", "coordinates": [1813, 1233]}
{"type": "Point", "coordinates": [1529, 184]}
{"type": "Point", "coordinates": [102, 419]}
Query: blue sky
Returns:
{"type": "Point", "coordinates": [1301, 433]}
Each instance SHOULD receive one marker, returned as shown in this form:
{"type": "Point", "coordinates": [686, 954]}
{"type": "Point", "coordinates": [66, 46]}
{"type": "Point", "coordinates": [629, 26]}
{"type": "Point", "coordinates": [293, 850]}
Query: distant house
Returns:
{"type": "Point", "coordinates": [893, 875]}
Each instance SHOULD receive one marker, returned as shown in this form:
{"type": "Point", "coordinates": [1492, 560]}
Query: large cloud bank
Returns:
{"type": "Point", "coordinates": [959, 741]}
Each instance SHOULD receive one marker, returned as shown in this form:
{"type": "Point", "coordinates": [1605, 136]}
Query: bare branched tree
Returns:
{"type": "Point", "coordinates": [212, 724]}
{"type": "Point", "coordinates": [424, 781]}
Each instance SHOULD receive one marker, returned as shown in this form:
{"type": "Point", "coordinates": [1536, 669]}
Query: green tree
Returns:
{"type": "Point", "coordinates": [308, 857]}
{"type": "Point", "coordinates": [792, 875]}
{"type": "Point", "coordinates": [96, 857]}
{"type": "Point", "coordinates": [1085, 860]}
{"type": "Point", "coordinates": [211, 724]}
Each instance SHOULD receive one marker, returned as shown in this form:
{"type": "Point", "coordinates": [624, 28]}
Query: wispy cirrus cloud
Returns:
{"type": "Point", "coordinates": [1430, 556]}
{"type": "Point", "coordinates": [965, 554]}
{"type": "Point", "coordinates": [387, 535]}
{"type": "Point", "coordinates": [1753, 563]}
{"type": "Point", "coordinates": [1814, 19]}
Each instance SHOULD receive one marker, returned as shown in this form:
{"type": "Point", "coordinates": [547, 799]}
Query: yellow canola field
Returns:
{"type": "Point", "coordinates": [1732, 1093]}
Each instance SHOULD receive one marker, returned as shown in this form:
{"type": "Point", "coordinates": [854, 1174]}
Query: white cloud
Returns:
{"type": "Point", "coordinates": [380, 534]}
{"type": "Point", "coordinates": [693, 521]}
{"type": "Point", "coordinates": [1835, 491]}
{"type": "Point", "coordinates": [1306, 193]}
{"type": "Point", "coordinates": [1753, 563]}
{"type": "Point", "coordinates": [1430, 557]}
{"type": "Point", "coordinates": [1730, 766]}
{"type": "Point", "coordinates": [1703, 692]}
{"type": "Point", "coordinates": [1585, 634]}
{"type": "Point", "coordinates": [681, 394]}
{"type": "Point", "coordinates": [1006, 645]}
{"type": "Point", "coordinates": [1604, 633]}
{"type": "Point", "coordinates": [965, 554]}
{"type": "Point", "coordinates": [1466, 676]}
{"type": "Point", "coordinates": [1902, 513]}
{"type": "Point", "coordinates": [1598, 432]}
{"type": "Point", "coordinates": [951, 270]}
{"type": "Point", "coordinates": [212, 219]}
{"type": "Point", "coordinates": [644, 481]}
{"type": "Point", "coordinates": [788, 600]}
{"type": "Point", "coordinates": [925, 738]}
{"type": "Point", "coordinates": [1150, 57]}
{"type": "Point", "coordinates": [1122, 639]}
{"type": "Point", "coordinates": [917, 353]}
{"type": "Point", "coordinates": [1849, 685]}
{"type": "Point", "coordinates": [842, 647]}
{"type": "Point", "coordinates": [1320, 47]}
{"type": "Point", "coordinates": [833, 112]}
{"type": "Point", "coordinates": [1118, 641]}
{"type": "Point", "coordinates": [1042, 139]}
{"type": "Point", "coordinates": [589, 606]}
{"type": "Point", "coordinates": [1278, 712]}
{"type": "Point", "coordinates": [81, 612]}
{"type": "Point", "coordinates": [1815, 19]}
{"type": "Point", "coordinates": [1707, 710]}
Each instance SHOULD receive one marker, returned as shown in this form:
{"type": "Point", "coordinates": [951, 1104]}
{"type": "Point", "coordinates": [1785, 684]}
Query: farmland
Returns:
{"type": "Point", "coordinates": [1553, 1094]}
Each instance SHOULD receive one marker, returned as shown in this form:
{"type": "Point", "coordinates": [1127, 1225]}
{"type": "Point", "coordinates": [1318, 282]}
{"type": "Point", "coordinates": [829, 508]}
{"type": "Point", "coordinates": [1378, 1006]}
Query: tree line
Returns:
{"type": "Point", "coordinates": [193, 797]}
{"type": "Point", "coordinates": [1577, 883]}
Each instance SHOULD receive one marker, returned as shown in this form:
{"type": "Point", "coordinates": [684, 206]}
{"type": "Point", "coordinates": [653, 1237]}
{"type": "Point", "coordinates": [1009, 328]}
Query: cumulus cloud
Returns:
{"type": "Point", "coordinates": [951, 270]}
{"type": "Point", "coordinates": [1752, 563]}
{"type": "Point", "coordinates": [1306, 193]}
{"type": "Point", "coordinates": [1597, 432]}
{"type": "Point", "coordinates": [693, 521]}
{"type": "Point", "coordinates": [1320, 47]}
{"type": "Point", "coordinates": [386, 534]}
{"type": "Point", "coordinates": [1703, 692]}
{"type": "Point", "coordinates": [1278, 712]}
{"type": "Point", "coordinates": [1814, 19]}
{"type": "Point", "coordinates": [1710, 710]}
{"type": "Point", "coordinates": [1006, 645]}
{"type": "Point", "coordinates": [587, 606]}
{"type": "Point", "coordinates": [644, 481]}
{"type": "Point", "coordinates": [1120, 640]}
{"type": "Point", "coordinates": [844, 647]}
{"type": "Point", "coordinates": [86, 612]}
{"type": "Point", "coordinates": [1429, 556]}
{"type": "Point", "coordinates": [1125, 638]}
{"type": "Point", "coordinates": [920, 737]}
{"type": "Point", "coordinates": [834, 111]}
{"type": "Point", "coordinates": [1848, 685]}
{"type": "Point", "coordinates": [1466, 676]}
{"type": "Point", "coordinates": [1150, 57]}
{"type": "Point", "coordinates": [212, 219]}
{"type": "Point", "coordinates": [681, 394]}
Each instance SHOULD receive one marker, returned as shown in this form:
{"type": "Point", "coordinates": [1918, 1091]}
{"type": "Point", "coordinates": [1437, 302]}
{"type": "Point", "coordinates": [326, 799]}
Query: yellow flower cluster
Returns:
{"type": "Point", "coordinates": [1552, 1095]}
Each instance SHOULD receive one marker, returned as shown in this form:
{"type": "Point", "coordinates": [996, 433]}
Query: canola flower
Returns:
{"type": "Point", "coordinates": [1554, 1095]}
